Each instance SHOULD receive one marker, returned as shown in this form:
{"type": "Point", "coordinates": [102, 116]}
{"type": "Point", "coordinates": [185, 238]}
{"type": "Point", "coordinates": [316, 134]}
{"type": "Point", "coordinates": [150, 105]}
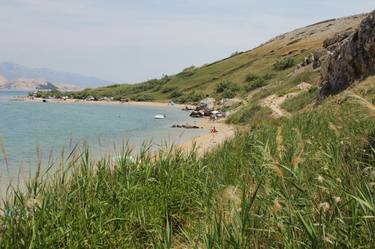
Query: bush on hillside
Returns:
{"type": "Point", "coordinates": [191, 97]}
{"type": "Point", "coordinates": [168, 89]}
{"type": "Point", "coordinates": [165, 78]}
{"type": "Point", "coordinates": [255, 84]}
{"type": "Point", "coordinates": [222, 86]}
{"type": "Point", "coordinates": [235, 53]}
{"type": "Point", "coordinates": [251, 77]}
{"type": "Point", "coordinates": [226, 85]}
{"type": "Point", "coordinates": [283, 64]}
{"type": "Point", "coordinates": [189, 71]}
{"type": "Point", "coordinates": [253, 81]}
{"type": "Point", "coordinates": [229, 93]}
{"type": "Point", "coordinates": [175, 94]}
{"type": "Point", "coordinates": [267, 76]}
{"type": "Point", "coordinates": [112, 86]}
{"type": "Point", "coordinates": [142, 97]}
{"type": "Point", "coordinates": [227, 89]}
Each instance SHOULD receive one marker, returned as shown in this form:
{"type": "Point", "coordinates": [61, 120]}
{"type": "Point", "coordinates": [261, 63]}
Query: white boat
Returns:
{"type": "Point", "coordinates": [160, 116]}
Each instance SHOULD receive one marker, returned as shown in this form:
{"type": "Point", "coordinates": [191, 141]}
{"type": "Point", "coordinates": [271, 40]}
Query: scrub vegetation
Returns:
{"type": "Point", "coordinates": [307, 181]}
{"type": "Point", "coordinates": [303, 180]}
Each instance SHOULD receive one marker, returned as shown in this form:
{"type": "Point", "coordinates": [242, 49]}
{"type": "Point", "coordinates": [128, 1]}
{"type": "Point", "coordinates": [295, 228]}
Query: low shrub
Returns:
{"type": "Point", "coordinates": [142, 97]}
{"type": "Point", "coordinates": [175, 94]}
{"type": "Point", "coordinates": [189, 71]}
{"type": "Point", "coordinates": [191, 97]}
{"type": "Point", "coordinates": [255, 84]}
{"type": "Point", "coordinates": [226, 89]}
{"type": "Point", "coordinates": [254, 81]}
{"type": "Point", "coordinates": [283, 64]}
{"type": "Point", "coordinates": [251, 77]}
{"type": "Point", "coordinates": [168, 89]}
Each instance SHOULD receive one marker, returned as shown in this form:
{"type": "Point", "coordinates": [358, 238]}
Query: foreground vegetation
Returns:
{"type": "Point", "coordinates": [307, 181]}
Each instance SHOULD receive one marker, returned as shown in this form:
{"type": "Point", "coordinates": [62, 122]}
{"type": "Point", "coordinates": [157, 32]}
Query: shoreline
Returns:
{"type": "Point", "coordinates": [100, 102]}
{"type": "Point", "coordinates": [203, 143]}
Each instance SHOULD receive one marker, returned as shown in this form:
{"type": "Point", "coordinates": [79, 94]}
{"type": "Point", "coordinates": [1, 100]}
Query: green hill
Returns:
{"type": "Point", "coordinates": [236, 72]}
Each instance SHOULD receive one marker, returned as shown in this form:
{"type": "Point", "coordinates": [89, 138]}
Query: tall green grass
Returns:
{"type": "Point", "coordinates": [300, 101]}
{"type": "Point", "coordinates": [303, 182]}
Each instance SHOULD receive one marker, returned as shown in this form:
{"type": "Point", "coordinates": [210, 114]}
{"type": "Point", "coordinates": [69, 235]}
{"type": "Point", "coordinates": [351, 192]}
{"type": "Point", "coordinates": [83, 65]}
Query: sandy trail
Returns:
{"type": "Point", "coordinates": [274, 102]}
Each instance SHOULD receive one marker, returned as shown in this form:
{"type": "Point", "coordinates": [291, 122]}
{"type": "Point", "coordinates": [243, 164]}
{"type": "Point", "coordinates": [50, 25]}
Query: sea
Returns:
{"type": "Point", "coordinates": [32, 132]}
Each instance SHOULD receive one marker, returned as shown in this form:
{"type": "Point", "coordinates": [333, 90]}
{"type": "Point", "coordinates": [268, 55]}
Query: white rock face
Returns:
{"type": "Point", "coordinates": [351, 57]}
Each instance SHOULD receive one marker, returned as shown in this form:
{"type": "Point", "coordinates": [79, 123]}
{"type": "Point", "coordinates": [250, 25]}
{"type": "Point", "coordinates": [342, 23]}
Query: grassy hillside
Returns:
{"type": "Point", "coordinates": [235, 72]}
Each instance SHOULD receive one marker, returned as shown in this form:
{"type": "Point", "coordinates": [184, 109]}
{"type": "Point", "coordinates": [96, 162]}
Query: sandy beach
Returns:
{"type": "Point", "coordinates": [209, 141]}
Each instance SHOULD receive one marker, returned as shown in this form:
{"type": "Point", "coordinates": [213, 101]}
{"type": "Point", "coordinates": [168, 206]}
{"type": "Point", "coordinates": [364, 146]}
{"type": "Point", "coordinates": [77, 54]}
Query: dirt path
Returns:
{"type": "Point", "coordinates": [254, 92]}
{"type": "Point", "coordinates": [274, 102]}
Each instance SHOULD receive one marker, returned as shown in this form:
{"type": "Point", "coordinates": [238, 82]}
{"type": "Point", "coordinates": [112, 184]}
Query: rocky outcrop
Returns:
{"type": "Point", "coordinates": [204, 108]}
{"type": "Point", "coordinates": [351, 57]}
{"type": "Point", "coordinates": [318, 55]}
{"type": "Point", "coordinates": [332, 42]}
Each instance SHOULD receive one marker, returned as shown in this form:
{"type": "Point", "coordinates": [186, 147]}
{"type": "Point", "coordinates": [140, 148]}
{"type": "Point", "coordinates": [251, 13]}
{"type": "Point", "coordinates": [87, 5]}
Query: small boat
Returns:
{"type": "Point", "coordinates": [160, 116]}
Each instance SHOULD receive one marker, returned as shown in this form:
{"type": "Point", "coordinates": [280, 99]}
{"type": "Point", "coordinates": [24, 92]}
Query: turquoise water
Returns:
{"type": "Point", "coordinates": [28, 127]}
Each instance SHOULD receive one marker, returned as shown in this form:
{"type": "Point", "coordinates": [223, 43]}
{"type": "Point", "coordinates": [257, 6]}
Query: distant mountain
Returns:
{"type": "Point", "coordinates": [32, 85]}
{"type": "Point", "coordinates": [11, 72]}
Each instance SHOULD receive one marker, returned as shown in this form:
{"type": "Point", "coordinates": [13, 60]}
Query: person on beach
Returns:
{"type": "Point", "coordinates": [213, 132]}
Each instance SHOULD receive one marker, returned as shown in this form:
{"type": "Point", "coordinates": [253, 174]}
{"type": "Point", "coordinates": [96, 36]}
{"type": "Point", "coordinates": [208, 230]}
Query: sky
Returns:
{"type": "Point", "coordinates": [132, 41]}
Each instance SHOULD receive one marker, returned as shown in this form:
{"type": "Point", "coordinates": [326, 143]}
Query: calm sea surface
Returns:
{"type": "Point", "coordinates": [26, 128]}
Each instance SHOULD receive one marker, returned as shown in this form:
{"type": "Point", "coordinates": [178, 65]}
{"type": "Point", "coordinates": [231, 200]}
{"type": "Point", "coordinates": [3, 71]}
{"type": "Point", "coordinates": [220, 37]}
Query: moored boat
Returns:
{"type": "Point", "coordinates": [160, 116]}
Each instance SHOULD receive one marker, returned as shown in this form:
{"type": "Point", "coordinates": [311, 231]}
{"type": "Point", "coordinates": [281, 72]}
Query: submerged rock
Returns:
{"type": "Point", "coordinates": [197, 114]}
{"type": "Point", "coordinates": [186, 126]}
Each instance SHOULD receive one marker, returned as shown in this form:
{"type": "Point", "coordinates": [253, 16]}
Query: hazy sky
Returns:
{"type": "Point", "coordinates": [129, 41]}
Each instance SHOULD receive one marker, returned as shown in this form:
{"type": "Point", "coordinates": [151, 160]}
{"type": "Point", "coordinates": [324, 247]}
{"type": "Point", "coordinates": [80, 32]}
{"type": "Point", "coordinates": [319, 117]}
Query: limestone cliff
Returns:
{"type": "Point", "coordinates": [350, 57]}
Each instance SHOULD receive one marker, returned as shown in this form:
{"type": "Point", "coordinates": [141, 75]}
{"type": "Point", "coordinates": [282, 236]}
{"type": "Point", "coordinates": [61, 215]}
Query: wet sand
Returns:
{"type": "Point", "coordinates": [209, 141]}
